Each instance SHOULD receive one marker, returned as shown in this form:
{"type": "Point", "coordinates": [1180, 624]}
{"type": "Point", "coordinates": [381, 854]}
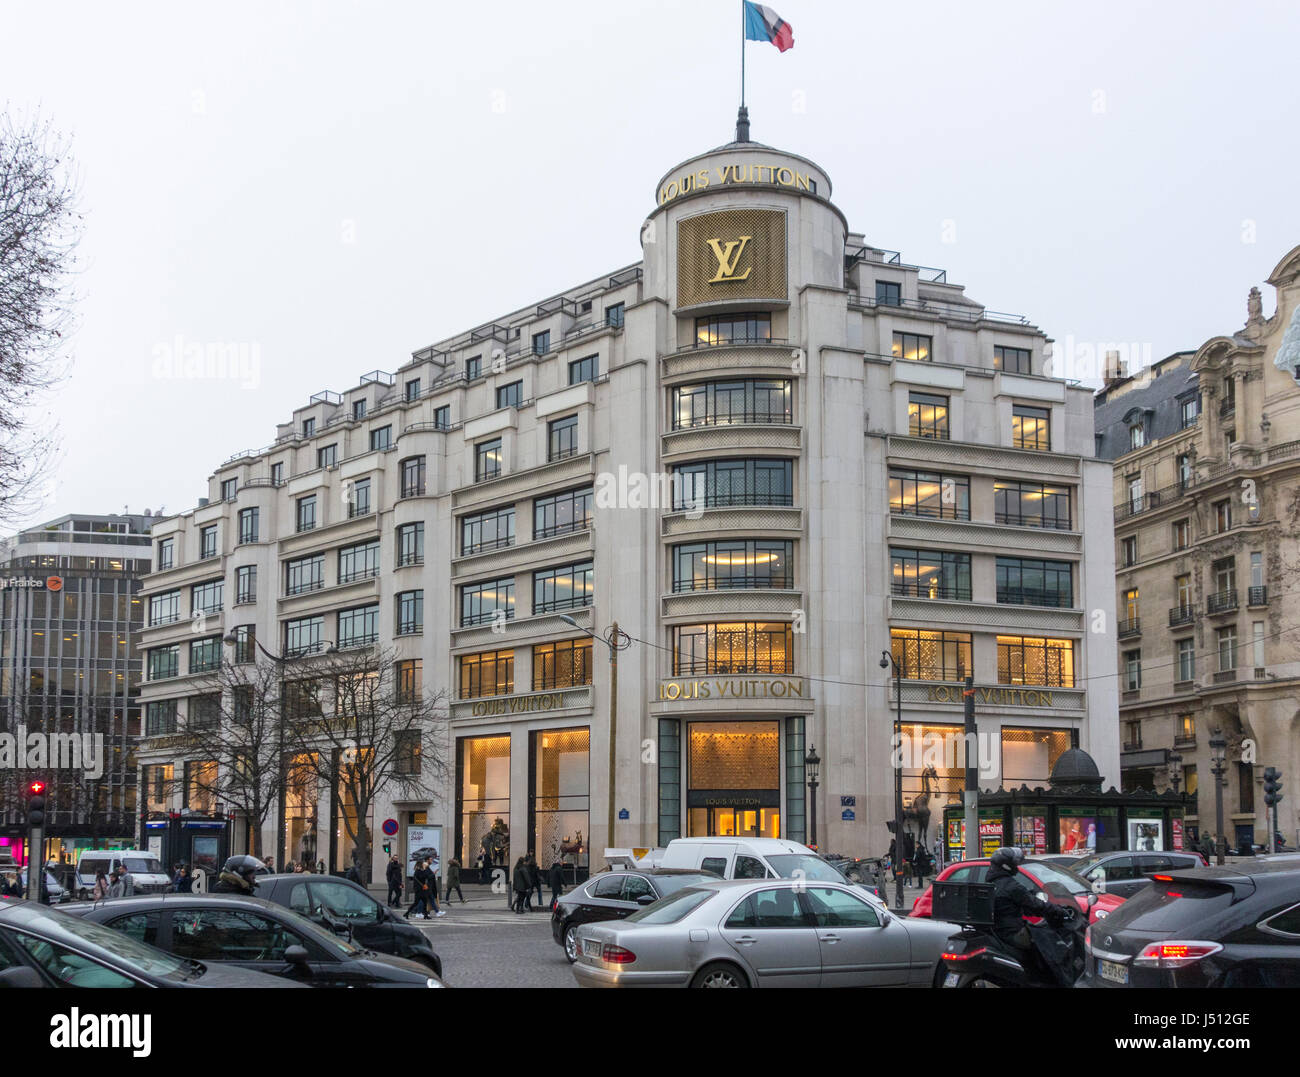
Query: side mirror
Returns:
{"type": "Point", "coordinates": [1042, 895]}
{"type": "Point", "coordinates": [646, 899]}
{"type": "Point", "coordinates": [21, 976]}
{"type": "Point", "coordinates": [1092, 899]}
{"type": "Point", "coordinates": [296, 955]}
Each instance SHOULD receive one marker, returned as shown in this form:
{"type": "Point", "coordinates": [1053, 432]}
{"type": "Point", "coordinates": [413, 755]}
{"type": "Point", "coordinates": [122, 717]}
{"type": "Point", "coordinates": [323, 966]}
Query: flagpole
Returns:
{"type": "Point", "coordinates": [742, 53]}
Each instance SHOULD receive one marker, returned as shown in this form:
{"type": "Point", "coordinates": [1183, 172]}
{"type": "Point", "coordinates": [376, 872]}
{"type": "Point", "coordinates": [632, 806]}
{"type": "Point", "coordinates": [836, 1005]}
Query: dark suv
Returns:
{"type": "Point", "coordinates": [1203, 927]}
{"type": "Point", "coordinates": [1129, 873]}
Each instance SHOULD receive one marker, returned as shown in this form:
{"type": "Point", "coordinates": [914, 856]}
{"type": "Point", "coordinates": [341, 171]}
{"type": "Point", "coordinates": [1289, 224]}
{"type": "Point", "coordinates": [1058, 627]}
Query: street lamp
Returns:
{"type": "Point", "coordinates": [811, 764]}
{"type": "Point", "coordinates": [886, 661]}
{"type": "Point", "coordinates": [1218, 752]}
{"type": "Point", "coordinates": [616, 640]}
{"type": "Point", "coordinates": [1174, 761]}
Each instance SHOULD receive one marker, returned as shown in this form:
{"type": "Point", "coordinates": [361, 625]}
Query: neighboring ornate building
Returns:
{"type": "Point", "coordinates": [1206, 447]}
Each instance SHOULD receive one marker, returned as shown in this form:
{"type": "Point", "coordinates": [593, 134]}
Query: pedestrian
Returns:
{"type": "Point", "coordinates": [521, 884]}
{"type": "Point", "coordinates": [485, 867]}
{"type": "Point", "coordinates": [557, 882]}
{"type": "Point", "coordinates": [353, 873]}
{"type": "Point", "coordinates": [535, 871]}
{"type": "Point", "coordinates": [101, 886]}
{"type": "Point", "coordinates": [424, 898]}
{"type": "Point", "coordinates": [394, 873]}
{"type": "Point", "coordinates": [176, 877]}
{"type": "Point", "coordinates": [123, 884]}
{"type": "Point", "coordinates": [185, 884]}
{"type": "Point", "coordinates": [297, 867]}
{"type": "Point", "coordinates": [437, 878]}
{"type": "Point", "coordinates": [453, 880]}
{"type": "Point", "coordinates": [270, 865]}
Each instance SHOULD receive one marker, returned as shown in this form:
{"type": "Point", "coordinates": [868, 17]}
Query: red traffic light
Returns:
{"type": "Point", "coordinates": [36, 788]}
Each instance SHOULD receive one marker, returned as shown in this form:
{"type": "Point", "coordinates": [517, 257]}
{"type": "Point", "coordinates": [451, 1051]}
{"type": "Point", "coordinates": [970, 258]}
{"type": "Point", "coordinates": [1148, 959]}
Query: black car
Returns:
{"type": "Point", "coordinates": [227, 930]}
{"type": "Point", "coordinates": [350, 911]}
{"type": "Point", "coordinates": [612, 895]}
{"type": "Point", "coordinates": [1234, 926]}
{"type": "Point", "coordinates": [44, 947]}
{"type": "Point", "coordinates": [1128, 873]}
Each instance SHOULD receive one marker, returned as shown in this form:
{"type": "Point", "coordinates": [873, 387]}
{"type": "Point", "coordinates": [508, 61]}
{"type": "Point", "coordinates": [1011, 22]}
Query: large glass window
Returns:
{"type": "Point", "coordinates": [566, 587]}
{"type": "Point", "coordinates": [929, 493]}
{"type": "Point", "coordinates": [487, 459]}
{"type": "Point", "coordinates": [1012, 360]}
{"type": "Point", "coordinates": [306, 513]}
{"type": "Point", "coordinates": [358, 494]}
{"type": "Point", "coordinates": [562, 438]}
{"type": "Point", "coordinates": [303, 635]}
{"type": "Point", "coordinates": [1186, 666]}
{"type": "Point", "coordinates": [483, 801]}
{"type": "Point", "coordinates": [561, 789]}
{"type": "Point", "coordinates": [300, 811]}
{"type": "Point", "coordinates": [510, 396]}
{"type": "Point", "coordinates": [755, 328]}
{"type": "Point", "coordinates": [410, 612]}
{"type": "Point", "coordinates": [927, 416]}
{"type": "Point", "coordinates": [381, 439]}
{"type": "Point", "coordinates": [489, 673]}
{"type": "Point", "coordinates": [166, 553]}
{"type": "Point", "coordinates": [1031, 504]}
{"type": "Point", "coordinates": [245, 584]}
{"type": "Point", "coordinates": [724, 403]}
{"type": "Point", "coordinates": [358, 627]}
{"type": "Point", "coordinates": [1028, 755]}
{"type": "Point", "coordinates": [585, 369]}
{"type": "Point", "coordinates": [720, 483]}
{"type": "Point", "coordinates": [562, 513]}
{"type": "Point", "coordinates": [410, 544]}
{"type": "Point", "coordinates": [359, 562]}
{"type": "Point", "coordinates": [413, 476]}
{"type": "Point", "coordinates": [722, 566]}
{"type": "Point", "coordinates": [205, 655]}
{"type": "Point", "coordinates": [304, 574]}
{"type": "Point", "coordinates": [564, 664]}
{"type": "Point", "coordinates": [409, 677]}
{"type": "Point", "coordinates": [208, 542]}
{"type": "Point", "coordinates": [1027, 660]}
{"type": "Point", "coordinates": [1031, 428]}
{"type": "Point", "coordinates": [733, 648]}
{"type": "Point", "coordinates": [327, 456]}
{"type": "Point", "coordinates": [247, 525]}
{"type": "Point", "coordinates": [889, 293]}
{"type": "Point", "coordinates": [912, 346]}
{"type": "Point", "coordinates": [491, 530]}
{"type": "Point", "coordinates": [164, 661]}
{"type": "Point", "coordinates": [164, 608]}
{"type": "Point", "coordinates": [160, 718]}
{"type": "Point", "coordinates": [1226, 643]}
{"type": "Point", "coordinates": [1026, 581]}
{"type": "Point", "coordinates": [207, 597]}
{"type": "Point", "coordinates": [930, 574]}
{"type": "Point", "coordinates": [487, 601]}
{"type": "Point", "coordinates": [931, 656]}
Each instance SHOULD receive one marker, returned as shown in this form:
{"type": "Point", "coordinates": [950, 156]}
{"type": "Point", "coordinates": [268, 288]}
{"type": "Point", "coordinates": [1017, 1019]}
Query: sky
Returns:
{"type": "Point", "coordinates": [328, 187]}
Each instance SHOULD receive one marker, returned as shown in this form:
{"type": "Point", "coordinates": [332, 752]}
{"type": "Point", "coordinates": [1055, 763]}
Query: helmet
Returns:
{"type": "Point", "coordinates": [245, 866]}
{"type": "Point", "coordinates": [1008, 859]}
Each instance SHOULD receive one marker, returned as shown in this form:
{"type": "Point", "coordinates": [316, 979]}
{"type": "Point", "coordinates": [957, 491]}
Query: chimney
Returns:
{"type": "Point", "coordinates": [1113, 369]}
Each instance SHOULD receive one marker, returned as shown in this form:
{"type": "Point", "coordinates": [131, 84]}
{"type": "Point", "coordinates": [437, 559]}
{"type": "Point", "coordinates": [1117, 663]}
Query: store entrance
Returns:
{"type": "Point", "coordinates": [734, 821]}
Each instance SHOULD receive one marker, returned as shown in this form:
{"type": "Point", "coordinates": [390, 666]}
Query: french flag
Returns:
{"type": "Point", "coordinates": [764, 24]}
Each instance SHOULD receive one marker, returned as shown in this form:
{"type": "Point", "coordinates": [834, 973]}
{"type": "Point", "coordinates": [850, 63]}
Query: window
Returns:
{"type": "Point", "coordinates": [247, 526]}
{"type": "Point", "coordinates": [207, 597]}
{"type": "Point", "coordinates": [166, 553]}
{"type": "Point", "coordinates": [722, 329]}
{"type": "Point", "coordinates": [510, 396]}
{"type": "Point", "coordinates": [1134, 486]}
{"type": "Point", "coordinates": [203, 712]}
{"type": "Point", "coordinates": [1245, 788]}
{"type": "Point", "coordinates": [359, 562]}
{"type": "Point", "coordinates": [1132, 736]}
{"type": "Point", "coordinates": [1128, 550]}
{"type": "Point", "coordinates": [1130, 609]}
{"type": "Point", "coordinates": [562, 438]}
{"type": "Point", "coordinates": [1182, 534]}
{"type": "Point", "coordinates": [245, 644]}
{"type": "Point", "coordinates": [228, 488]}
{"type": "Point", "coordinates": [442, 417]}
{"type": "Point", "coordinates": [488, 601]}
{"type": "Point", "coordinates": [889, 293]}
{"type": "Point", "coordinates": [381, 439]}
{"type": "Point", "coordinates": [303, 635]}
{"type": "Point", "coordinates": [413, 476]}
{"type": "Point", "coordinates": [302, 699]}
{"type": "Point", "coordinates": [410, 544]}
{"type": "Point", "coordinates": [725, 403]}
{"type": "Point", "coordinates": [473, 367]}
{"type": "Point", "coordinates": [164, 608]}
{"type": "Point", "coordinates": [1031, 504]}
{"type": "Point", "coordinates": [1223, 515]}
{"type": "Point", "coordinates": [1030, 428]}
{"type": "Point", "coordinates": [838, 908]}
{"type": "Point", "coordinates": [565, 664]}
{"type": "Point", "coordinates": [733, 648]}
{"type": "Point", "coordinates": [1229, 404]}
{"type": "Point", "coordinates": [721, 483]}
{"type": "Point", "coordinates": [208, 542]}
{"type": "Point", "coordinates": [1031, 582]}
{"type": "Point", "coordinates": [927, 416]}
{"type": "Point", "coordinates": [490, 673]}
{"type": "Point", "coordinates": [913, 346]}
{"type": "Point", "coordinates": [491, 530]}
{"type": "Point", "coordinates": [304, 574]}
{"type": "Point", "coordinates": [358, 495]}
{"type": "Point", "coordinates": [1190, 411]}
{"type": "Point", "coordinates": [1132, 671]}
{"type": "Point", "coordinates": [930, 574]}
{"type": "Point", "coordinates": [1185, 669]}
{"type": "Point", "coordinates": [487, 459]}
{"type": "Point", "coordinates": [160, 718]}
{"type": "Point", "coordinates": [1012, 360]}
{"type": "Point", "coordinates": [412, 390]}
{"type": "Point", "coordinates": [931, 656]}
{"type": "Point", "coordinates": [1136, 436]}
{"type": "Point", "coordinates": [306, 513]}
{"type": "Point", "coordinates": [164, 662]}
{"type": "Point", "coordinates": [410, 613]}
{"type": "Point", "coordinates": [1046, 662]}
{"type": "Point", "coordinates": [568, 587]}
{"type": "Point", "coordinates": [308, 428]}
{"type": "Point", "coordinates": [1256, 569]}
{"type": "Point", "coordinates": [358, 627]}
{"type": "Point", "coordinates": [929, 493]}
{"type": "Point", "coordinates": [541, 342]}
{"type": "Point", "coordinates": [1183, 468]}
{"type": "Point", "coordinates": [409, 677]}
{"type": "Point", "coordinates": [585, 369]}
{"type": "Point", "coordinates": [614, 316]}
{"type": "Point", "coordinates": [277, 474]}
{"type": "Point", "coordinates": [200, 934]}
{"type": "Point", "coordinates": [562, 513]}
{"type": "Point", "coordinates": [1226, 642]}
{"type": "Point", "coordinates": [1185, 726]}
{"type": "Point", "coordinates": [358, 410]}
{"type": "Point", "coordinates": [205, 655]}
{"type": "Point", "coordinates": [1257, 644]}
{"type": "Point", "coordinates": [327, 456]}
{"type": "Point", "coordinates": [733, 565]}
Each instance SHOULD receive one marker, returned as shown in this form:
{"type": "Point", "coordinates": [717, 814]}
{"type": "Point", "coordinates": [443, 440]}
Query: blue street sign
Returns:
{"type": "Point", "coordinates": [623, 813]}
{"type": "Point", "coordinates": [848, 802]}
{"type": "Point", "coordinates": [847, 815]}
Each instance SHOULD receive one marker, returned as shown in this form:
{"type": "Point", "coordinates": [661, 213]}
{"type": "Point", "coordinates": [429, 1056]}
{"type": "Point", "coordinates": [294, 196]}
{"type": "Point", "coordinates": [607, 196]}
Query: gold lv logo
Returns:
{"type": "Point", "coordinates": [728, 259]}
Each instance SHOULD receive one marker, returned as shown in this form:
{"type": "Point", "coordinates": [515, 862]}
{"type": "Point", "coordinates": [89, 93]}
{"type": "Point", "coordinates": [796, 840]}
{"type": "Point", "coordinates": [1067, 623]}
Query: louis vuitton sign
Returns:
{"type": "Point", "coordinates": [731, 254]}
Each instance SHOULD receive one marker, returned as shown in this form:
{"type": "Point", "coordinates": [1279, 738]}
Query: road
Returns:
{"type": "Point", "coordinates": [482, 947]}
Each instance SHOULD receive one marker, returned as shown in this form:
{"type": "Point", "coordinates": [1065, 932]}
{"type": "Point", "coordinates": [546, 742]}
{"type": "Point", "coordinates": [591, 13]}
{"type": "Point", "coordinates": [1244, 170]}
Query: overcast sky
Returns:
{"type": "Point", "coordinates": [334, 185]}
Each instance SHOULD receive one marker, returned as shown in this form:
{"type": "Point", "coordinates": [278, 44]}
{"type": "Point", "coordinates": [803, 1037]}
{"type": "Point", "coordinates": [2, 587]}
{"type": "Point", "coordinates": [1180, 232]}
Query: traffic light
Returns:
{"type": "Point", "coordinates": [388, 846]}
{"type": "Point", "coordinates": [35, 804]}
{"type": "Point", "coordinates": [1272, 786]}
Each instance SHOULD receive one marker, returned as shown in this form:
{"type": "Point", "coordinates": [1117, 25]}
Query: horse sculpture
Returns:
{"type": "Point", "coordinates": [919, 809]}
{"type": "Point", "coordinates": [570, 848]}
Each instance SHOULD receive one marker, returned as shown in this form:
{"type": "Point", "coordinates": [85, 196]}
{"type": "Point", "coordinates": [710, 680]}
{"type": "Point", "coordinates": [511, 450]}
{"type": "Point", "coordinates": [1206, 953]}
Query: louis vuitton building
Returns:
{"type": "Point", "coordinates": [770, 451]}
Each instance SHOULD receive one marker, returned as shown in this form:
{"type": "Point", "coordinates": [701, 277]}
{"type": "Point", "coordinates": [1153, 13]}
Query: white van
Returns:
{"type": "Point", "coordinates": [749, 858]}
{"type": "Point", "coordinates": [147, 875]}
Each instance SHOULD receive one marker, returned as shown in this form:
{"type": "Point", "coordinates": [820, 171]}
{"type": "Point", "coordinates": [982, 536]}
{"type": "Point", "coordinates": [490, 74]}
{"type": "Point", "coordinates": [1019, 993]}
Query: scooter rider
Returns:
{"type": "Point", "coordinates": [1012, 902]}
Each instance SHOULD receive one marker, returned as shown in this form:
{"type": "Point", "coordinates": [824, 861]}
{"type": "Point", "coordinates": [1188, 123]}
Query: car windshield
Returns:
{"type": "Point", "coordinates": [670, 884]}
{"type": "Point", "coordinates": [805, 866]}
{"type": "Point", "coordinates": [141, 865]}
{"type": "Point", "coordinates": [1177, 906]}
{"type": "Point", "coordinates": [95, 940]}
{"type": "Point", "coordinates": [672, 908]}
{"type": "Point", "coordinates": [1055, 881]}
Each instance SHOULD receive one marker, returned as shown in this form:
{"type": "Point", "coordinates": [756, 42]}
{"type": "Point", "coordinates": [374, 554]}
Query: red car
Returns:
{"type": "Point", "coordinates": [1059, 885]}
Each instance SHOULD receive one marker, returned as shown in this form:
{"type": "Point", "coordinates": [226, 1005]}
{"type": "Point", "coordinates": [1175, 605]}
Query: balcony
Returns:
{"type": "Point", "coordinates": [1131, 627]}
{"type": "Point", "coordinates": [1222, 602]}
{"type": "Point", "coordinates": [733, 583]}
{"type": "Point", "coordinates": [1029, 596]}
{"type": "Point", "coordinates": [763, 416]}
{"type": "Point", "coordinates": [1225, 676]}
{"type": "Point", "coordinates": [934, 591]}
{"type": "Point", "coordinates": [1146, 502]}
{"type": "Point", "coordinates": [1227, 407]}
{"type": "Point", "coordinates": [1181, 615]}
{"type": "Point", "coordinates": [1257, 596]}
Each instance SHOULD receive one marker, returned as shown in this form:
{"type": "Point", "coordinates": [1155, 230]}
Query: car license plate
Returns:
{"type": "Point", "coordinates": [951, 980]}
{"type": "Point", "coordinates": [1113, 971]}
{"type": "Point", "coordinates": [589, 951]}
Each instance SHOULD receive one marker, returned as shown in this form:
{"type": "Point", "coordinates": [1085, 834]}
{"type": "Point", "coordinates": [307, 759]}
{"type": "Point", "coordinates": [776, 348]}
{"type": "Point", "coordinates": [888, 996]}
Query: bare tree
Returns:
{"type": "Point", "coordinates": [383, 734]}
{"type": "Point", "coordinates": [39, 230]}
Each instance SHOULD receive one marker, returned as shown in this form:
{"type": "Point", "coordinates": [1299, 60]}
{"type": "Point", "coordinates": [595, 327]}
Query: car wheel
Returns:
{"type": "Point", "coordinates": [719, 974]}
{"type": "Point", "coordinates": [433, 963]}
{"type": "Point", "coordinates": [571, 943]}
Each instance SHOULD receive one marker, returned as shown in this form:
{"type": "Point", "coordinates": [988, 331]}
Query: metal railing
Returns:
{"type": "Point", "coordinates": [1257, 596]}
{"type": "Point", "coordinates": [1020, 519]}
{"type": "Point", "coordinates": [1130, 627]}
{"type": "Point", "coordinates": [734, 583]}
{"type": "Point", "coordinates": [1153, 499]}
{"type": "Point", "coordinates": [1181, 615]}
{"type": "Point", "coordinates": [921, 589]}
{"type": "Point", "coordinates": [742, 342]}
{"type": "Point", "coordinates": [304, 588]}
{"type": "Point", "coordinates": [735, 418]}
{"type": "Point", "coordinates": [716, 501]}
{"type": "Point", "coordinates": [358, 574]}
{"type": "Point", "coordinates": [1033, 596]}
{"type": "Point", "coordinates": [562, 529]}
{"type": "Point", "coordinates": [1221, 602]}
{"type": "Point", "coordinates": [577, 602]}
{"type": "Point", "coordinates": [486, 545]}
{"type": "Point", "coordinates": [940, 309]}
{"type": "Point", "coordinates": [713, 667]}
{"type": "Point", "coordinates": [942, 512]}
{"type": "Point", "coordinates": [1227, 407]}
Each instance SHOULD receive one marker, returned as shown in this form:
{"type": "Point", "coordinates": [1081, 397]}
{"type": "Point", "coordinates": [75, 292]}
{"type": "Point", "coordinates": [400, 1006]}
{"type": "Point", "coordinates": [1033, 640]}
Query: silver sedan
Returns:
{"type": "Point", "coordinates": [762, 933]}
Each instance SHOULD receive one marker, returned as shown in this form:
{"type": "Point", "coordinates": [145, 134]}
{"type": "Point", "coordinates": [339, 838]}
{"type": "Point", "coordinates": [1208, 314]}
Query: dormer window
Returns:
{"type": "Point", "coordinates": [1136, 436]}
{"type": "Point", "coordinates": [358, 410]}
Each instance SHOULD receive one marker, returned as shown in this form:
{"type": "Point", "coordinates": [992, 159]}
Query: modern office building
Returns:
{"type": "Point", "coordinates": [70, 615]}
{"type": "Point", "coordinates": [1206, 447]}
{"type": "Point", "coordinates": [771, 451]}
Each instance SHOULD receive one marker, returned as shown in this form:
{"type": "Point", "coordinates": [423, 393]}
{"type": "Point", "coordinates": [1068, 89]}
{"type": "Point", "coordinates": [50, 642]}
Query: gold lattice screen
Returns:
{"type": "Point", "coordinates": [735, 755]}
{"type": "Point", "coordinates": [731, 254]}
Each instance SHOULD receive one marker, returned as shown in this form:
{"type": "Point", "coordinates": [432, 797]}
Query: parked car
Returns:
{"type": "Point", "coordinates": [1060, 886]}
{"type": "Point", "coordinates": [613, 895]}
{"type": "Point", "coordinates": [1234, 926]}
{"type": "Point", "coordinates": [756, 858]}
{"type": "Point", "coordinates": [349, 910]}
{"type": "Point", "coordinates": [249, 933]}
{"type": "Point", "coordinates": [62, 950]}
{"type": "Point", "coordinates": [58, 894]}
{"type": "Point", "coordinates": [1127, 873]}
{"type": "Point", "coordinates": [148, 876]}
{"type": "Point", "coordinates": [762, 933]}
